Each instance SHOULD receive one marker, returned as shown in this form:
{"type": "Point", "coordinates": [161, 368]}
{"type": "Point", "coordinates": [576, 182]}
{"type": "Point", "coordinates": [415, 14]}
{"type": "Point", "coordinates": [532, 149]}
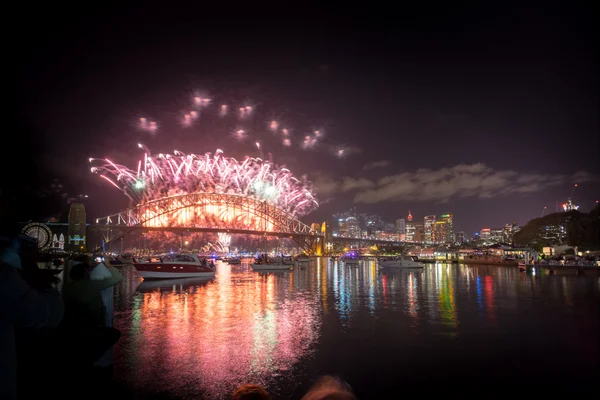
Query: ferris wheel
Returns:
{"type": "Point", "coordinates": [40, 232]}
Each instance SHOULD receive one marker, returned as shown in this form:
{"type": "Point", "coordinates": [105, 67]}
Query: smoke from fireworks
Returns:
{"type": "Point", "coordinates": [174, 174]}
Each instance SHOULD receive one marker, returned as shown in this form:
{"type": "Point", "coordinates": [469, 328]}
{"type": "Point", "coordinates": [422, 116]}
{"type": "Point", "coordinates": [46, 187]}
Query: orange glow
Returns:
{"type": "Point", "coordinates": [204, 215]}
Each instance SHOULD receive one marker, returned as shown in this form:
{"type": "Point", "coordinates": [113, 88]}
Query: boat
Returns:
{"type": "Point", "coordinates": [173, 266]}
{"type": "Point", "coordinates": [167, 284]}
{"type": "Point", "coordinates": [285, 263]}
{"type": "Point", "coordinates": [303, 258]}
{"type": "Point", "coordinates": [234, 261]}
{"type": "Point", "coordinates": [350, 259]}
{"type": "Point", "coordinates": [522, 265]}
{"type": "Point", "coordinates": [401, 262]}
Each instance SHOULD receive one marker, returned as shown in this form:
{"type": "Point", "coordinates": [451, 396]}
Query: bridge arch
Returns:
{"type": "Point", "coordinates": [209, 210]}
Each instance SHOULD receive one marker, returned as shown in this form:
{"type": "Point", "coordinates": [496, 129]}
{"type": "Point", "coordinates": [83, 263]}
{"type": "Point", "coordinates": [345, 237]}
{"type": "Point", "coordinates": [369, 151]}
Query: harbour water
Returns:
{"type": "Point", "coordinates": [446, 329]}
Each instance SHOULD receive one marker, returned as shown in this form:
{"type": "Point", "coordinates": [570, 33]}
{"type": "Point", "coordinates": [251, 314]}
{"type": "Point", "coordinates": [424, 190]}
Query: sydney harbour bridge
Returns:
{"type": "Point", "coordinates": [213, 193]}
{"type": "Point", "coordinates": [219, 212]}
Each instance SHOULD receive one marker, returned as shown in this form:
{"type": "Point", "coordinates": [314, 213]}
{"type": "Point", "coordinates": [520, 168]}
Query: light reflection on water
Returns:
{"type": "Point", "coordinates": [281, 329]}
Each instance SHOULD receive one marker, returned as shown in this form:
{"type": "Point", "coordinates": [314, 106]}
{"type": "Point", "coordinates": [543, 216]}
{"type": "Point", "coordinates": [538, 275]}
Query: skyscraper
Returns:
{"type": "Point", "coordinates": [410, 229]}
{"type": "Point", "coordinates": [447, 233]}
{"type": "Point", "coordinates": [429, 227]}
{"type": "Point", "coordinates": [77, 228]}
{"type": "Point", "coordinates": [401, 226]}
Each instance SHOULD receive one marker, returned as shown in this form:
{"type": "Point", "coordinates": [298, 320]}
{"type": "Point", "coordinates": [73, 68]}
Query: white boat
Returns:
{"type": "Point", "coordinates": [402, 262]}
{"type": "Point", "coordinates": [172, 266]}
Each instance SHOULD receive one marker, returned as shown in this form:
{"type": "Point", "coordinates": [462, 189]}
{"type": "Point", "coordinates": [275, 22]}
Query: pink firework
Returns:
{"type": "Point", "coordinates": [166, 175]}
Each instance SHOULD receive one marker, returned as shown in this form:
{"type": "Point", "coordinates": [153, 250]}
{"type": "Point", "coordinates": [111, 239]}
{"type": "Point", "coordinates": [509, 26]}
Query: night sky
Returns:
{"type": "Point", "coordinates": [490, 114]}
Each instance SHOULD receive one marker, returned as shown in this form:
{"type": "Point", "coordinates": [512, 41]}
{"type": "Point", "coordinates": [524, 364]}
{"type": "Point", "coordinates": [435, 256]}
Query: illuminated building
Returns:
{"type": "Point", "coordinates": [569, 206]}
{"type": "Point", "coordinates": [342, 227]}
{"type": "Point", "coordinates": [429, 228]}
{"type": "Point", "coordinates": [485, 234]}
{"type": "Point", "coordinates": [348, 225]}
{"type": "Point", "coordinates": [497, 235]}
{"type": "Point", "coordinates": [401, 226]}
{"type": "Point", "coordinates": [410, 229]}
{"type": "Point", "coordinates": [444, 229]}
{"type": "Point", "coordinates": [77, 229]}
{"type": "Point", "coordinates": [353, 227]}
{"type": "Point", "coordinates": [459, 237]}
{"type": "Point", "coordinates": [419, 232]}
{"type": "Point", "coordinates": [373, 223]}
{"type": "Point", "coordinates": [509, 232]}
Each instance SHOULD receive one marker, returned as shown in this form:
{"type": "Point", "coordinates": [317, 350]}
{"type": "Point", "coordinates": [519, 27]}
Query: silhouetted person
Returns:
{"type": "Point", "coordinates": [85, 313]}
{"type": "Point", "coordinates": [251, 392]}
{"type": "Point", "coordinates": [83, 295]}
{"type": "Point", "coordinates": [329, 388]}
{"type": "Point", "coordinates": [21, 305]}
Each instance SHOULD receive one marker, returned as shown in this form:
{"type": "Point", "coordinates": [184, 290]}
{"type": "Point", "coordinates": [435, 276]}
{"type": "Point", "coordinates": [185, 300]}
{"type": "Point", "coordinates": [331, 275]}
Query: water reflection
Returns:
{"type": "Point", "coordinates": [193, 338]}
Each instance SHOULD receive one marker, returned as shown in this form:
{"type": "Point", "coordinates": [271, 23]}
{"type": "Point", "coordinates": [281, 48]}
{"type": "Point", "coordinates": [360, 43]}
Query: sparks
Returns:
{"type": "Point", "coordinates": [167, 175]}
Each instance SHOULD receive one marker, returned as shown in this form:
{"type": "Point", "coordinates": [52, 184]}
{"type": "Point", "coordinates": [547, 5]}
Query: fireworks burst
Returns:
{"type": "Point", "coordinates": [174, 174]}
{"type": "Point", "coordinates": [146, 125]}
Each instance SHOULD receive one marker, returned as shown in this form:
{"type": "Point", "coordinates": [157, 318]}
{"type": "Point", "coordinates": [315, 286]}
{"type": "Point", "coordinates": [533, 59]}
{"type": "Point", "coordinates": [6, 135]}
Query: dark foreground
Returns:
{"type": "Point", "coordinates": [476, 331]}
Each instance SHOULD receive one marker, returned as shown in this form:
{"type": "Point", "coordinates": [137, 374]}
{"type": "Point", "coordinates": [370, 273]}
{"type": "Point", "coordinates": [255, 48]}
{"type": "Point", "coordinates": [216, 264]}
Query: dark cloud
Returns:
{"type": "Point", "coordinates": [440, 185]}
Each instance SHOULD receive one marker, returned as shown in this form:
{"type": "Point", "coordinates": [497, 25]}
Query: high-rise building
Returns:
{"type": "Point", "coordinates": [429, 226]}
{"type": "Point", "coordinates": [497, 235]}
{"type": "Point", "coordinates": [419, 232]}
{"type": "Point", "coordinates": [410, 228]}
{"type": "Point", "coordinates": [353, 227]}
{"type": "Point", "coordinates": [348, 224]}
{"type": "Point", "coordinates": [509, 232]}
{"type": "Point", "coordinates": [459, 237]}
{"type": "Point", "coordinates": [448, 231]}
{"type": "Point", "coordinates": [77, 228]}
{"type": "Point", "coordinates": [401, 226]}
{"type": "Point", "coordinates": [485, 234]}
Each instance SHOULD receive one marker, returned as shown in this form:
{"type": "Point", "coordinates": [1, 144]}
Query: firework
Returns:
{"type": "Point", "coordinates": [309, 142]}
{"type": "Point", "coordinates": [240, 134]}
{"type": "Point", "coordinates": [274, 125]}
{"type": "Point", "coordinates": [146, 125]}
{"type": "Point", "coordinates": [223, 110]}
{"type": "Point", "coordinates": [169, 175]}
{"type": "Point", "coordinates": [224, 239]}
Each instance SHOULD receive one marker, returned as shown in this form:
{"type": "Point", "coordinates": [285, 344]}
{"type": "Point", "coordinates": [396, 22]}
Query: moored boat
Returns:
{"type": "Point", "coordinates": [350, 258]}
{"type": "Point", "coordinates": [303, 258]}
{"type": "Point", "coordinates": [173, 266]}
{"type": "Point", "coordinates": [269, 265]}
{"type": "Point", "coordinates": [234, 261]}
{"type": "Point", "coordinates": [401, 262]}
